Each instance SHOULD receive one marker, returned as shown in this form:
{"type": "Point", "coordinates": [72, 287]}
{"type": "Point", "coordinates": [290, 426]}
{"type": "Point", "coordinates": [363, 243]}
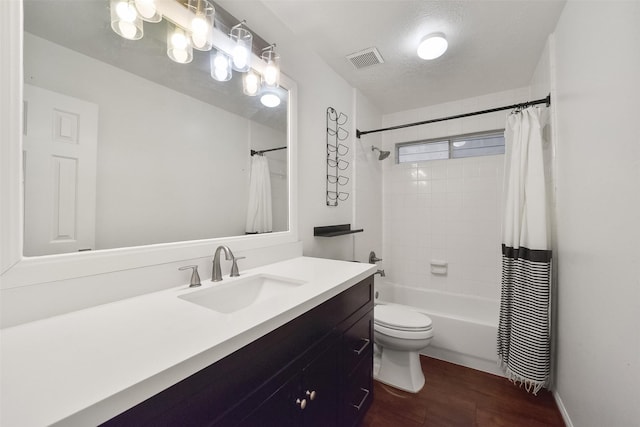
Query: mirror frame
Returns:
{"type": "Point", "coordinates": [17, 270]}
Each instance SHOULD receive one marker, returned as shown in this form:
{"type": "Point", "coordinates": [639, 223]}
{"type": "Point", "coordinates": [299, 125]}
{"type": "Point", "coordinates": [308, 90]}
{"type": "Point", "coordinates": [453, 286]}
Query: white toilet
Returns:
{"type": "Point", "coordinates": [400, 333]}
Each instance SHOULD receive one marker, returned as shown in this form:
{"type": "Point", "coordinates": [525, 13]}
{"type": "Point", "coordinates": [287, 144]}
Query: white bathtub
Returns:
{"type": "Point", "coordinates": [465, 327]}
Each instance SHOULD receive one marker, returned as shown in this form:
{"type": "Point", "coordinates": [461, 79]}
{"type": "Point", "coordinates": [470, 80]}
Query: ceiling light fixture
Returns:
{"type": "Point", "coordinates": [432, 46]}
{"type": "Point", "coordinates": [270, 99]}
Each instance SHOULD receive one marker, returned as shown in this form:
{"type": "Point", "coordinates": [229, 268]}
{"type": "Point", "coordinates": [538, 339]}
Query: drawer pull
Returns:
{"type": "Point", "coordinates": [311, 394]}
{"type": "Point", "coordinates": [366, 394]}
{"type": "Point", "coordinates": [301, 403]}
{"type": "Point", "coordinates": [366, 343]}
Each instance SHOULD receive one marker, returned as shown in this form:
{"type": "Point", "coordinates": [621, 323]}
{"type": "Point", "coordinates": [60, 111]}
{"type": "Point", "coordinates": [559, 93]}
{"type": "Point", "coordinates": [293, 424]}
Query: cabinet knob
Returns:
{"type": "Point", "coordinates": [301, 403]}
{"type": "Point", "coordinates": [311, 394]}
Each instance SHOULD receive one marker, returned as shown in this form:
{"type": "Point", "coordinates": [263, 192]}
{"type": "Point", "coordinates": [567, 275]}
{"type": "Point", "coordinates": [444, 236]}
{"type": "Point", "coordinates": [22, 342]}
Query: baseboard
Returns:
{"type": "Point", "coordinates": [563, 410]}
{"type": "Point", "coordinates": [466, 360]}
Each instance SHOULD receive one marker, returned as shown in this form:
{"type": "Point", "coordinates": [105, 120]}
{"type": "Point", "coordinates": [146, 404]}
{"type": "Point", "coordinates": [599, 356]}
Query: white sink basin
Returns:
{"type": "Point", "coordinates": [242, 293]}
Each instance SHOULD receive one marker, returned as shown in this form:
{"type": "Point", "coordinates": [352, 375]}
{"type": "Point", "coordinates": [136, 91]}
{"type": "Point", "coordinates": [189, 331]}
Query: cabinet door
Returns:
{"type": "Point", "coordinates": [319, 387]}
{"type": "Point", "coordinates": [279, 410]}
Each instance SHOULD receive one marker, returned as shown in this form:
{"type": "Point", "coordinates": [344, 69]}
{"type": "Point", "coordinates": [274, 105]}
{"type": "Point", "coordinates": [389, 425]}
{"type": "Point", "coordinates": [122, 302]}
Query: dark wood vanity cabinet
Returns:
{"type": "Point", "coordinates": [315, 370]}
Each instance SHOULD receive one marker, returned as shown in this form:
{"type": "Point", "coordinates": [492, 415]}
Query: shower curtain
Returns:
{"type": "Point", "coordinates": [524, 331]}
{"type": "Point", "coordinates": [259, 214]}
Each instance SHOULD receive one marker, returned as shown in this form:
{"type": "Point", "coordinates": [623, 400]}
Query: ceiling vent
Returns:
{"type": "Point", "coordinates": [365, 58]}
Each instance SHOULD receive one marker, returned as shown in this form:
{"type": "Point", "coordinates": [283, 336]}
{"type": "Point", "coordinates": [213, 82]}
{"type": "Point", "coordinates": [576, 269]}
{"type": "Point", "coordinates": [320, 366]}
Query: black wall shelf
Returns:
{"type": "Point", "coordinates": [335, 230]}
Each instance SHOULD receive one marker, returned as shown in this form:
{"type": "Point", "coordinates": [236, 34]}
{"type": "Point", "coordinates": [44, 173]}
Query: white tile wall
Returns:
{"type": "Point", "coordinates": [445, 209]}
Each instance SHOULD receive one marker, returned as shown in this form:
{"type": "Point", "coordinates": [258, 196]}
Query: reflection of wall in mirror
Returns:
{"type": "Point", "coordinates": [170, 168]}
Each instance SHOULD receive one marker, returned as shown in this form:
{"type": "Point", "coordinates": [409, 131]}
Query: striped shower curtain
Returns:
{"type": "Point", "coordinates": [524, 332]}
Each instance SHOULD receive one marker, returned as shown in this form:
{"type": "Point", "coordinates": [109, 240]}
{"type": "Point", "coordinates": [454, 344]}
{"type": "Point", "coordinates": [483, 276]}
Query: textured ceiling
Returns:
{"type": "Point", "coordinates": [493, 45]}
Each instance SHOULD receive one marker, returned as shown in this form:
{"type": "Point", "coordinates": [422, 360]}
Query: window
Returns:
{"type": "Point", "coordinates": [455, 147]}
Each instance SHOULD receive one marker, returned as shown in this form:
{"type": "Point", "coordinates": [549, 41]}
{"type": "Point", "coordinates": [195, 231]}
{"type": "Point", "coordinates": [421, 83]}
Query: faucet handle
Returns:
{"type": "Point", "coordinates": [234, 266]}
{"type": "Point", "coordinates": [195, 277]}
{"type": "Point", "coordinates": [373, 258]}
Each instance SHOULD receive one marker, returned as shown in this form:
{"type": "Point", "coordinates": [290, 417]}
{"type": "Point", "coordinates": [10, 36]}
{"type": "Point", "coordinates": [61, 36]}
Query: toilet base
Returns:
{"type": "Point", "coordinates": [401, 369]}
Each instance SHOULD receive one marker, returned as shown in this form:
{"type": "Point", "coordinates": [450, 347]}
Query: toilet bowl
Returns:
{"type": "Point", "coordinates": [400, 333]}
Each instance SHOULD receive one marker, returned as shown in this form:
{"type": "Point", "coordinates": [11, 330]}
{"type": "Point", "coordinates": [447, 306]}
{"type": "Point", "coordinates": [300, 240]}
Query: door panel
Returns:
{"type": "Point", "coordinates": [60, 146]}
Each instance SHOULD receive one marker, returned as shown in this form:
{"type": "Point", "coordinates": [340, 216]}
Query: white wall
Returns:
{"type": "Point", "coordinates": [446, 209]}
{"type": "Point", "coordinates": [149, 142]}
{"type": "Point", "coordinates": [598, 191]}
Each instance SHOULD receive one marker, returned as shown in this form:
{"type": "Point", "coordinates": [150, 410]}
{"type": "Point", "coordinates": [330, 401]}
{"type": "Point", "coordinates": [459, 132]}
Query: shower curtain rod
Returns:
{"type": "Point", "coordinates": [260, 152]}
{"type": "Point", "coordinates": [546, 101]}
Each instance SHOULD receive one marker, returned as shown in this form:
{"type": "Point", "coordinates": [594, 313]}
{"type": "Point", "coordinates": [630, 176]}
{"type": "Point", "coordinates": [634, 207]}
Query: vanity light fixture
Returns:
{"type": "Point", "coordinates": [148, 10]}
{"type": "Point", "coordinates": [242, 49]}
{"type": "Point", "coordinates": [271, 74]}
{"type": "Point", "coordinates": [179, 47]}
{"type": "Point", "coordinates": [202, 24]}
{"type": "Point", "coordinates": [432, 46]}
{"type": "Point", "coordinates": [270, 99]}
{"type": "Point", "coordinates": [251, 83]}
{"type": "Point", "coordinates": [125, 20]}
{"type": "Point", "coordinates": [191, 25]}
{"type": "Point", "coordinates": [220, 66]}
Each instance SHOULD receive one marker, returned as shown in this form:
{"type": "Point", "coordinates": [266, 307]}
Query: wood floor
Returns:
{"type": "Point", "coordinates": [457, 396]}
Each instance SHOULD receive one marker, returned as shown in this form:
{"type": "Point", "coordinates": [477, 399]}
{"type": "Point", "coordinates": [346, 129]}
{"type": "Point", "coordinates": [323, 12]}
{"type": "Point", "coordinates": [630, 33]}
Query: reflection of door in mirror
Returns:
{"type": "Point", "coordinates": [59, 143]}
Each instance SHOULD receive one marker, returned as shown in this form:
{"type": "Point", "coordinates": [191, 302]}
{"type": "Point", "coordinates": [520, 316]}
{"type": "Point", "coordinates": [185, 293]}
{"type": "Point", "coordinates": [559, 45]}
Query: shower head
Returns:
{"type": "Point", "coordinates": [383, 154]}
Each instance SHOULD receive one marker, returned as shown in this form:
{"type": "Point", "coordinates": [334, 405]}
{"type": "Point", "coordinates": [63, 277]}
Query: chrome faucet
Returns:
{"type": "Point", "coordinates": [216, 275]}
{"type": "Point", "coordinates": [380, 272]}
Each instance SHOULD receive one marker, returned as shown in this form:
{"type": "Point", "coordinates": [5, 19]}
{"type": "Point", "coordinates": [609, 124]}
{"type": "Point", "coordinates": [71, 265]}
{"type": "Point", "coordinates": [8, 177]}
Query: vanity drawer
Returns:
{"type": "Point", "coordinates": [358, 394]}
{"type": "Point", "coordinates": [358, 342]}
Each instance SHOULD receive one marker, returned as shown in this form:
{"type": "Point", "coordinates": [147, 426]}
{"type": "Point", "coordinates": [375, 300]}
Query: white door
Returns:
{"type": "Point", "coordinates": [60, 146]}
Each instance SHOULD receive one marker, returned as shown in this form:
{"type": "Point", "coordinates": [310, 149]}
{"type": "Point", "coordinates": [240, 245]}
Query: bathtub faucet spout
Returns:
{"type": "Point", "coordinates": [380, 272]}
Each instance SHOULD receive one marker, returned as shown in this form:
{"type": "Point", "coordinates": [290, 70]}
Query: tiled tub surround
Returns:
{"type": "Point", "coordinates": [84, 367]}
{"type": "Point", "coordinates": [445, 210]}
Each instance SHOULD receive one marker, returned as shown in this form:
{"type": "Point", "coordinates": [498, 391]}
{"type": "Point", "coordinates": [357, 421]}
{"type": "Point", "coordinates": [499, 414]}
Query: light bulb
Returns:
{"type": "Point", "coordinates": [179, 41]}
{"type": "Point", "coordinates": [240, 57]}
{"type": "Point", "coordinates": [127, 29]}
{"type": "Point", "coordinates": [220, 62]}
{"type": "Point", "coordinates": [199, 25]}
{"type": "Point", "coordinates": [180, 55]}
{"type": "Point", "coordinates": [146, 8]}
{"type": "Point", "coordinates": [199, 40]}
{"type": "Point", "coordinates": [126, 12]}
{"type": "Point", "coordinates": [251, 84]}
{"type": "Point", "coordinates": [270, 75]}
{"type": "Point", "coordinates": [220, 73]}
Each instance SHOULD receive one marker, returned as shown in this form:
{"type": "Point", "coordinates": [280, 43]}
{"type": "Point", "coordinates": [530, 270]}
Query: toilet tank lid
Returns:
{"type": "Point", "coordinates": [401, 318]}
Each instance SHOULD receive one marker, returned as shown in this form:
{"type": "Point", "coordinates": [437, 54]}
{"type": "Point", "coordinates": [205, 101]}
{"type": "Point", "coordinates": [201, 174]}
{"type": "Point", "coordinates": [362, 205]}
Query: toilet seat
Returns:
{"type": "Point", "coordinates": [401, 323]}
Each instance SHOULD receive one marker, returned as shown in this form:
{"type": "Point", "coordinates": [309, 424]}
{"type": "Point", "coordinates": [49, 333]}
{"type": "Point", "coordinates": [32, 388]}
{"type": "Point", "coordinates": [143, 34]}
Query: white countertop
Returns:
{"type": "Point", "coordinates": [84, 367]}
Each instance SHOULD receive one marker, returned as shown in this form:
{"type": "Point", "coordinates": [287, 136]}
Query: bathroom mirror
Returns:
{"type": "Point", "coordinates": [170, 159]}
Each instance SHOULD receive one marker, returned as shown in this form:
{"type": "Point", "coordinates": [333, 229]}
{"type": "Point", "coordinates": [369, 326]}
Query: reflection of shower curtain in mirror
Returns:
{"type": "Point", "coordinates": [259, 213]}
